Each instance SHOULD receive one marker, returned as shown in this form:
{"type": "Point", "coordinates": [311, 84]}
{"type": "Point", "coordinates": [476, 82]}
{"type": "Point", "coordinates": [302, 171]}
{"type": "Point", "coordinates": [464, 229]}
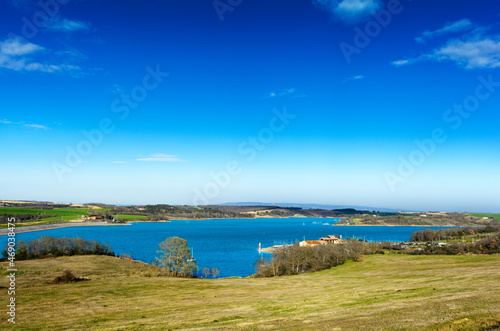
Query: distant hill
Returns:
{"type": "Point", "coordinates": [309, 206]}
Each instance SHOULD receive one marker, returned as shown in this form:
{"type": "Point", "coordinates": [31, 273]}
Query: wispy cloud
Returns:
{"type": "Point", "coordinates": [458, 26]}
{"type": "Point", "coordinates": [118, 162]}
{"type": "Point", "coordinates": [35, 126]}
{"type": "Point", "coordinates": [470, 51]}
{"type": "Point", "coordinates": [16, 55]}
{"type": "Point", "coordinates": [349, 11]}
{"type": "Point", "coordinates": [14, 47]}
{"type": "Point", "coordinates": [65, 25]}
{"type": "Point", "coordinates": [471, 54]}
{"type": "Point", "coordinates": [160, 157]}
{"type": "Point", "coordinates": [117, 89]}
{"type": "Point", "coordinates": [357, 77]}
{"type": "Point", "coordinates": [284, 92]}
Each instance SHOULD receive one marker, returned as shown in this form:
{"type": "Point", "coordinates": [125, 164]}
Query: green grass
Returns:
{"type": "Point", "coordinates": [55, 211]}
{"type": "Point", "coordinates": [495, 216]}
{"type": "Point", "coordinates": [383, 292]}
{"type": "Point", "coordinates": [64, 214]}
{"type": "Point", "coordinates": [130, 217]}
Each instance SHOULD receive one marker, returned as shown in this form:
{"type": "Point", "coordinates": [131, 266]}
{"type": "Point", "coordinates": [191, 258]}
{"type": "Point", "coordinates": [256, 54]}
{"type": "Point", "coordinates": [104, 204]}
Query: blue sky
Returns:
{"type": "Point", "coordinates": [355, 102]}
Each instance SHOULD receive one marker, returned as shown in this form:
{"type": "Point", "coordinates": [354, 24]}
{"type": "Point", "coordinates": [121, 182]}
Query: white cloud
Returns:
{"type": "Point", "coordinates": [350, 11]}
{"type": "Point", "coordinates": [160, 157]}
{"type": "Point", "coordinates": [36, 126]}
{"type": "Point", "coordinates": [65, 25]}
{"type": "Point", "coordinates": [458, 26]}
{"type": "Point", "coordinates": [14, 47]}
{"type": "Point", "coordinates": [15, 54]}
{"type": "Point", "coordinates": [471, 53]}
{"type": "Point", "coordinates": [117, 89]}
{"type": "Point", "coordinates": [283, 92]}
{"type": "Point", "coordinates": [357, 77]}
{"type": "Point", "coordinates": [400, 63]}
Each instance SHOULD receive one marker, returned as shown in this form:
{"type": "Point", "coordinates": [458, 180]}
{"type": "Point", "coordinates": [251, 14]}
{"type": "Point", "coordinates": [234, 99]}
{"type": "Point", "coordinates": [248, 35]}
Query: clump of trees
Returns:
{"type": "Point", "coordinates": [451, 233]}
{"type": "Point", "coordinates": [46, 246]}
{"type": "Point", "coordinates": [175, 258]}
{"type": "Point", "coordinates": [293, 260]}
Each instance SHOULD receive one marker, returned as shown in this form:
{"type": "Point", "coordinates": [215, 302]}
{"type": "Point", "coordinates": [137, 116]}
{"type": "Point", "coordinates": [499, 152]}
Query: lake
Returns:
{"type": "Point", "coordinates": [228, 244]}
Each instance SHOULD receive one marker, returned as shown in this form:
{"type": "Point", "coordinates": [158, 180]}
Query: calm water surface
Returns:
{"type": "Point", "coordinates": [228, 244]}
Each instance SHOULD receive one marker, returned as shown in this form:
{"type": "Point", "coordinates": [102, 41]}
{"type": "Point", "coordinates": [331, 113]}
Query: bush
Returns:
{"type": "Point", "coordinates": [67, 277]}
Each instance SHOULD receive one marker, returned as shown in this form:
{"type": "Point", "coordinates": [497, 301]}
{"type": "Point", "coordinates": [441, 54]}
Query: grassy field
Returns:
{"type": "Point", "coordinates": [130, 217]}
{"type": "Point", "coordinates": [55, 211]}
{"type": "Point", "coordinates": [383, 292]}
{"type": "Point", "coordinates": [495, 216]}
{"type": "Point", "coordinates": [63, 214]}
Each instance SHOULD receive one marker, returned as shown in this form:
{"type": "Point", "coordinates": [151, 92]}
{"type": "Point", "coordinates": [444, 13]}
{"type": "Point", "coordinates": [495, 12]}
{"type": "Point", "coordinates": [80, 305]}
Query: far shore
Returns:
{"type": "Point", "coordinates": [335, 224]}
{"type": "Point", "coordinates": [72, 223]}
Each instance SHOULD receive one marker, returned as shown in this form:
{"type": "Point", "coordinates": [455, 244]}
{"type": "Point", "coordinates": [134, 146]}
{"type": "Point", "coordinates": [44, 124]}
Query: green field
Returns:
{"type": "Point", "coordinates": [64, 214]}
{"type": "Point", "coordinates": [383, 292]}
{"type": "Point", "coordinates": [130, 217]}
{"type": "Point", "coordinates": [55, 211]}
{"type": "Point", "coordinates": [495, 216]}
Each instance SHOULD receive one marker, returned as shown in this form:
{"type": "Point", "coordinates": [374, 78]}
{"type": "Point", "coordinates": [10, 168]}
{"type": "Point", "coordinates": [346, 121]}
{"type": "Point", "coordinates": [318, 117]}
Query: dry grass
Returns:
{"type": "Point", "coordinates": [382, 292]}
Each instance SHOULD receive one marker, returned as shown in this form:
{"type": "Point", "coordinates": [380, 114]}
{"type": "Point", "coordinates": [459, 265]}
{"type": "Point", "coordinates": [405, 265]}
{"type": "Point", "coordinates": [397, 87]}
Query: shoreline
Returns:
{"type": "Point", "coordinates": [42, 227]}
{"type": "Point", "coordinates": [447, 225]}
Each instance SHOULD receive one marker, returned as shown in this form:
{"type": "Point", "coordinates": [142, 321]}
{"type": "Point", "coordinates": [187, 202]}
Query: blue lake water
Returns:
{"type": "Point", "coordinates": [228, 244]}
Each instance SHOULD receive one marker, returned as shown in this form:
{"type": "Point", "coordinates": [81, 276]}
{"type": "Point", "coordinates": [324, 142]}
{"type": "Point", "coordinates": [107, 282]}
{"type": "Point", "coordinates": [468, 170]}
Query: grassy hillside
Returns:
{"type": "Point", "coordinates": [495, 216]}
{"type": "Point", "coordinates": [382, 292]}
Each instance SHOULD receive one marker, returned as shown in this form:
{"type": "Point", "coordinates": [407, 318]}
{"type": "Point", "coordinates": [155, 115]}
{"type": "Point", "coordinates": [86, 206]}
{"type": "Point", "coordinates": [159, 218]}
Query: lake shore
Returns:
{"type": "Point", "coordinates": [42, 227]}
{"type": "Point", "coordinates": [416, 225]}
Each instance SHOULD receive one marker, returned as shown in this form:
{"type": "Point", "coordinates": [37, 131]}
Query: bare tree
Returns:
{"type": "Point", "coordinates": [215, 272]}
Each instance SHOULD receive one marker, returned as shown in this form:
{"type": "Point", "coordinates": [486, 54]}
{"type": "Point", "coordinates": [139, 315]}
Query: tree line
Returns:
{"type": "Point", "coordinates": [46, 246]}
{"type": "Point", "coordinates": [443, 234]}
{"type": "Point", "coordinates": [23, 217]}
